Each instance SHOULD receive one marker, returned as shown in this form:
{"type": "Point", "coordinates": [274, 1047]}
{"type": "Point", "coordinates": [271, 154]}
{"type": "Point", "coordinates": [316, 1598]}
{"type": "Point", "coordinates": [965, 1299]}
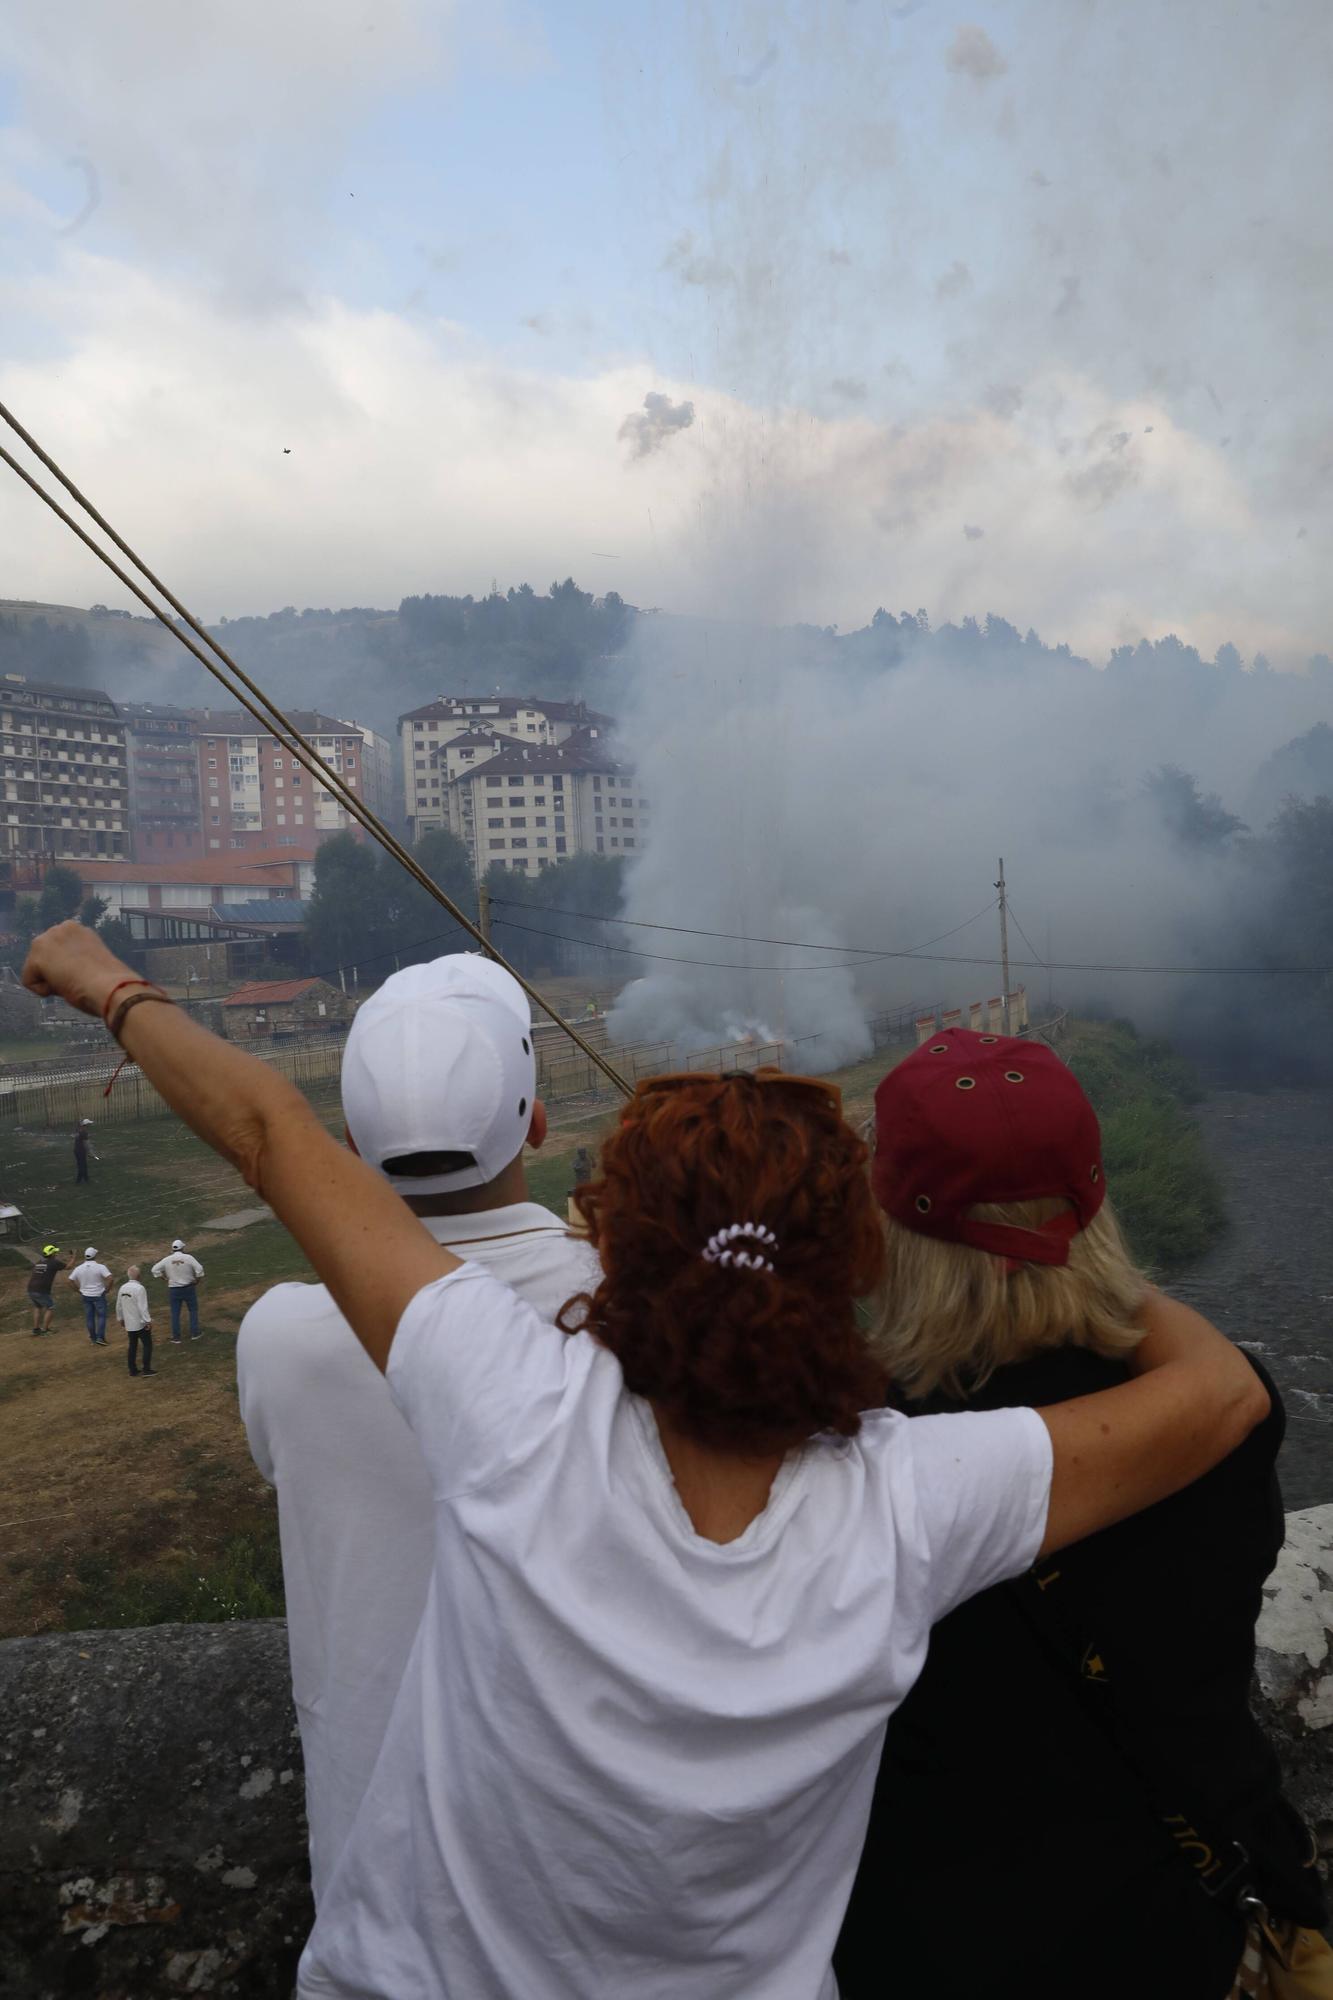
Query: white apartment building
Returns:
{"type": "Point", "coordinates": [529, 805]}
{"type": "Point", "coordinates": [458, 732]}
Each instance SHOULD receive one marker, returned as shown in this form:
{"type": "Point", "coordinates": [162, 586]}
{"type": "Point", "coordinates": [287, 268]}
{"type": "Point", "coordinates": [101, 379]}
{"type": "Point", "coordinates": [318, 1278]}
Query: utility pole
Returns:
{"type": "Point", "coordinates": [1004, 951]}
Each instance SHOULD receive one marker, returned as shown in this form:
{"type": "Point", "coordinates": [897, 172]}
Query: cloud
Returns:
{"type": "Point", "coordinates": [954, 282]}
{"type": "Point", "coordinates": [973, 53]}
{"type": "Point", "coordinates": [973, 534]}
{"type": "Point", "coordinates": [421, 462]}
{"type": "Point", "coordinates": [212, 133]}
{"type": "Point", "coordinates": [647, 430]}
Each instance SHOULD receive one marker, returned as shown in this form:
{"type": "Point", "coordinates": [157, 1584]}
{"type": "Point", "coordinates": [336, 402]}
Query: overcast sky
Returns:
{"type": "Point", "coordinates": [798, 307]}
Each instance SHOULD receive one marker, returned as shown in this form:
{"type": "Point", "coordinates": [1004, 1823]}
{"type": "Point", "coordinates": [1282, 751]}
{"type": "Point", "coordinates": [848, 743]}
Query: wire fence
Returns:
{"type": "Point", "coordinates": [314, 1065]}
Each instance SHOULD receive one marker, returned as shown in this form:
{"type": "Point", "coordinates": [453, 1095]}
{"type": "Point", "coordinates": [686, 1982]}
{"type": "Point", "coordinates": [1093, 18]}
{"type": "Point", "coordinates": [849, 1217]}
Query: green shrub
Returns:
{"type": "Point", "coordinates": [1166, 1192]}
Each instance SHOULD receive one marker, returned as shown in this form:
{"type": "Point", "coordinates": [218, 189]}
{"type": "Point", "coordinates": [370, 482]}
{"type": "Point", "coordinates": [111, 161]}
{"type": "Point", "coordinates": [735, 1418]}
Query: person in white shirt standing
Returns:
{"type": "Point", "coordinates": [133, 1314]}
{"type": "Point", "coordinates": [92, 1280]}
{"type": "Point", "coordinates": [439, 1092]}
{"type": "Point", "coordinates": [182, 1273]}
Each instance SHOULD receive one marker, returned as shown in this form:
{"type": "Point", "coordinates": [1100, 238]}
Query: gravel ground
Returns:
{"type": "Point", "coordinates": [1269, 1282]}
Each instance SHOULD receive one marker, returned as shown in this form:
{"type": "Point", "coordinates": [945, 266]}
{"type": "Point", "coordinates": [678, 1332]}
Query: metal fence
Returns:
{"type": "Point", "coordinates": [314, 1065]}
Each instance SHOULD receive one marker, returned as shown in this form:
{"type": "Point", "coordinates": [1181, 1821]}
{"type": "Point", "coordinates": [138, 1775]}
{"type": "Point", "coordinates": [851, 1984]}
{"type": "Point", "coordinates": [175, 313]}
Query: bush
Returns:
{"type": "Point", "coordinates": [244, 1580]}
{"type": "Point", "coordinates": [1166, 1191]}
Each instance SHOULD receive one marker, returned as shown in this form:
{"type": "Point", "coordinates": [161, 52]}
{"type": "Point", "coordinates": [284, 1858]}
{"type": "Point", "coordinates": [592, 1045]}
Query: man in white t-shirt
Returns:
{"type": "Point", "coordinates": [182, 1273]}
{"type": "Point", "coordinates": [439, 1093]}
{"type": "Point", "coordinates": [92, 1280]}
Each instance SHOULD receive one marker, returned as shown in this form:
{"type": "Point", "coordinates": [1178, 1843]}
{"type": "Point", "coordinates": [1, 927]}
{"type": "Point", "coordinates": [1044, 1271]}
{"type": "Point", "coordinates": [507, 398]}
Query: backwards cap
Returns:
{"type": "Point", "coordinates": [440, 1060]}
{"type": "Point", "coordinates": [50, 1249]}
{"type": "Point", "coordinates": [974, 1118]}
{"type": "Point", "coordinates": [91, 1251]}
{"type": "Point", "coordinates": [176, 1243]}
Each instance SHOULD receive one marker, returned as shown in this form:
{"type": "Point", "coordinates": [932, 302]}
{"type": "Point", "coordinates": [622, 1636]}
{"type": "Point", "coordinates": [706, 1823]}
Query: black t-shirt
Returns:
{"type": "Point", "coordinates": [45, 1273]}
{"type": "Point", "coordinates": [1011, 1847]}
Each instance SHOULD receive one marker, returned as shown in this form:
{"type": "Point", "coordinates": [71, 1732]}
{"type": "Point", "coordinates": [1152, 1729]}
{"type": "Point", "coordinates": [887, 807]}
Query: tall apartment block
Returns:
{"type": "Point", "coordinates": [64, 786]}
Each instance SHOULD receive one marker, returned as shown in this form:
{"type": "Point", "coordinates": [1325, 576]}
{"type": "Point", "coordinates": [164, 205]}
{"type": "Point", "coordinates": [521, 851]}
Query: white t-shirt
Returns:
{"type": "Point", "coordinates": [91, 1279]}
{"type": "Point", "coordinates": [179, 1268]}
{"type": "Point", "coordinates": [132, 1306]}
{"type": "Point", "coordinates": [625, 1760]}
{"type": "Point", "coordinates": [355, 1511]}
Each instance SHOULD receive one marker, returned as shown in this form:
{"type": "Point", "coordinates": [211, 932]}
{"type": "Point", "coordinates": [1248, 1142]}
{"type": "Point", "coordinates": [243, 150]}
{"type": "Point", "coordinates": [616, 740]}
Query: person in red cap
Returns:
{"type": "Point", "coordinates": [1068, 1723]}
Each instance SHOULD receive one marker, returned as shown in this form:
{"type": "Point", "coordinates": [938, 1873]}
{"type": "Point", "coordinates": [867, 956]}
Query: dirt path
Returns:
{"type": "Point", "coordinates": [1269, 1282]}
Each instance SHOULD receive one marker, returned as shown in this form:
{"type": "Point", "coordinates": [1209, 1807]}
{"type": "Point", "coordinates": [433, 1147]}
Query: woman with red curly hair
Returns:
{"type": "Point", "coordinates": [680, 1579]}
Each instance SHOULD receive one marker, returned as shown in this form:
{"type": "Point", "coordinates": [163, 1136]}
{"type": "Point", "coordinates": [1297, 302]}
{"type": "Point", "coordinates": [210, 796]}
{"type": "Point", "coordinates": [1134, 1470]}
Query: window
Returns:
{"type": "Point", "coordinates": [614, 820]}
{"type": "Point", "coordinates": [518, 819]}
{"type": "Point", "coordinates": [597, 784]}
{"type": "Point", "coordinates": [557, 784]}
{"type": "Point", "coordinates": [559, 822]}
{"type": "Point", "coordinates": [212, 763]}
{"type": "Point", "coordinates": [300, 821]}
{"type": "Point", "coordinates": [540, 800]}
{"type": "Point", "coordinates": [599, 822]}
{"type": "Point", "coordinates": [516, 781]}
{"type": "Point", "coordinates": [282, 819]}
{"type": "Point", "coordinates": [495, 822]}
{"type": "Point", "coordinates": [627, 822]}
{"type": "Point", "coordinates": [496, 843]}
{"type": "Point", "coordinates": [421, 763]}
{"type": "Point", "coordinates": [215, 843]}
{"type": "Point", "coordinates": [217, 821]}
{"type": "Point", "coordinates": [614, 841]}
{"type": "Point", "coordinates": [518, 842]}
{"type": "Point", "coordinates": [277, 763]}
{"type": "Point", "coordinates": [601, 844]}
{"type": "Point", "coordinates": [542, 841]}
{"type": "Point", "coordinates": [277, 784]}
{"type": "Point", "coordinates": [560, 843]}
{"type": "Point", "coordinates": [629, 843]}
{"type": "Point", "coordinates": [541, 819]}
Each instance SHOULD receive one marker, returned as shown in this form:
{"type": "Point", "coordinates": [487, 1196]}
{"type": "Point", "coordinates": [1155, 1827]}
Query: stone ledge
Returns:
{"type": "Point", "coordinates": [152, 1818]}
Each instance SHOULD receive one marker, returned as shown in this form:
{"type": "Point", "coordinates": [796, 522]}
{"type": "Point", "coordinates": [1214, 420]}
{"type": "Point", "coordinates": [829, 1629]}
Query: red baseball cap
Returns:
{"type": "Point", "coordinates": [986, 1118]}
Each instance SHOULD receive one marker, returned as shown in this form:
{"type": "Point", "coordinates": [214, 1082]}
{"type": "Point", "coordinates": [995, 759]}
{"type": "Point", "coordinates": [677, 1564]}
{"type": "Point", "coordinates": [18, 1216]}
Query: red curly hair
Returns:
{"type": "Point", "coordinates": [737, 1358]}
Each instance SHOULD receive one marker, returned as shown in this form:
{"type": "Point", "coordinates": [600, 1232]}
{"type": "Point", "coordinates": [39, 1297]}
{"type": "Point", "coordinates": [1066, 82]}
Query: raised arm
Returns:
{"type": "Point", "coordinates": [1196, 1398]}
{"type": "Point", "coordinates": [366, 1245]}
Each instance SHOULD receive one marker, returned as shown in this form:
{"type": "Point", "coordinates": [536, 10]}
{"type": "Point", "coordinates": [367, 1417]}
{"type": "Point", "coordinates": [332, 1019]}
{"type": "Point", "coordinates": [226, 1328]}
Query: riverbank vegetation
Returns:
{"type": "Point", "coordinates": [1166, 1191]}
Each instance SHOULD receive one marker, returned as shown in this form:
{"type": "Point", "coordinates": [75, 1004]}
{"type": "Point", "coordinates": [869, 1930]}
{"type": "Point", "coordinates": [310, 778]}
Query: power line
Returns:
{"type": "Point", "coordinates": [735, 937]}
{"type": "Point", "coordinates": [1026, 939]}
{"type": "Point", "coordinates": [944, 958]}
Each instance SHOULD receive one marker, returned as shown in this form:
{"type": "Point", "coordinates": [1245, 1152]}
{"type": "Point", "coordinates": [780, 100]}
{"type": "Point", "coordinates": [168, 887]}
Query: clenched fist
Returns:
{"type": "Point", "coordinates": [72, 962]}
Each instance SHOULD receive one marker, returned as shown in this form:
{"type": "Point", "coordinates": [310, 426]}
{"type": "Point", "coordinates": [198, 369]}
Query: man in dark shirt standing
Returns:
{"type": "Point", "coordinates": [81, 1151]}
{"type": "Point", "coordinates": [44, 1274]}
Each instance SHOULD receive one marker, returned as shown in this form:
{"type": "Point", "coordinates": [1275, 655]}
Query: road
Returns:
{"type": "Point", "coordinates": [1269, 1282]}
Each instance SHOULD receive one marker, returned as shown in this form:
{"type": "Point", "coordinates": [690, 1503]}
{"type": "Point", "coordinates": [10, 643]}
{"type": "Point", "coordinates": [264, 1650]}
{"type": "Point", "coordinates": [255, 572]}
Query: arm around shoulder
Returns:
{"type": "Point", "coordinates": [1194, 1400]}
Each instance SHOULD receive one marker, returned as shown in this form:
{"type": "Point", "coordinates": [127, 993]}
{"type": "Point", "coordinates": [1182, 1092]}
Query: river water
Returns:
{"type": "Point", "coordinates": [1269, 1281]}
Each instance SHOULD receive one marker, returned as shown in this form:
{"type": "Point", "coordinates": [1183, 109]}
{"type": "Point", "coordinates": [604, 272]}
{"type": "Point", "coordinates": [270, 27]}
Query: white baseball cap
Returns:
{"type": "Point", "coordinates": [91, 1251]}
{"type": "Point", "coordinates": [440, 1060]}
{"type": "Point", "coordinates": [176, 1243]}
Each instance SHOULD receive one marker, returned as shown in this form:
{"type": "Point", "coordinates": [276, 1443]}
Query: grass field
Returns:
{"type": "Point", "coordinates": [127, 1501]}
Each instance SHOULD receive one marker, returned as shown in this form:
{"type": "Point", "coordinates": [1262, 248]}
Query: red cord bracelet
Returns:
{"type": "Point", "coordinates": [133, 980]}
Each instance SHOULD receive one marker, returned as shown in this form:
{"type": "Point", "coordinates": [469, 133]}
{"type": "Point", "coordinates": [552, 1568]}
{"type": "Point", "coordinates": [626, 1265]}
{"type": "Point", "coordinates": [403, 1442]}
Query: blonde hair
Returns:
{"type": "Point", "coordinates": [946, 1316]}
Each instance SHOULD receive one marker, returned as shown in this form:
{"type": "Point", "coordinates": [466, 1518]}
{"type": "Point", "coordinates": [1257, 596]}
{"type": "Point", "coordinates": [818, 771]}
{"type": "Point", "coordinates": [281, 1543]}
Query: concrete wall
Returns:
{"type": "Point", "coordinates": [152, 1831]}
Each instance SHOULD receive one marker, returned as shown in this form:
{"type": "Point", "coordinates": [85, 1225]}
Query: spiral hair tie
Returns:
{"type": "Point", "coordinates": [718, 1249]}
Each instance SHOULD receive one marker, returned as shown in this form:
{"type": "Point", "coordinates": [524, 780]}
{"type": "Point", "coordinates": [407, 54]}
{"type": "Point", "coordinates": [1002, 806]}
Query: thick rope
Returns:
{"type": "Point", "coordinates": [272, 719]}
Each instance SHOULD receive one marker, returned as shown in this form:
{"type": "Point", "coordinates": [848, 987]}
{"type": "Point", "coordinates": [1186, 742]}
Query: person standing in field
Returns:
{"type": "Point", "coordinates": [439, 1093]}
{"type": "Point", "coordinates": [133, 1314]}
{"type": "Point", "coordinates": [182, 1273]}
{"type": "Point", "coordinates": [40, 1283]}
{"type": "Point", "coordinates": [81, 1151]}
{"type": "Point", "coordinates": [92, 1280]}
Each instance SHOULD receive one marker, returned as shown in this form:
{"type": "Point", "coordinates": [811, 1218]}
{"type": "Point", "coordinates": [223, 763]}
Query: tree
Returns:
{"type": "Point", "coordinates": [1188, 816]}
{"type": "Point", "coordinates": [92, 910]}
{"type": "Point", "coordinates": [346, 923]}
{"type": "Point", "coordinates": [117, 936]}
{"type": "Point", "coordinates": [62, 893]}
{"type": "Point", "coordinates": [418, 928]}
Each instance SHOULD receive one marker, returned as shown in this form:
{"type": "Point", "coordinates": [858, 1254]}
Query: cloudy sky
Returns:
{"type": "Point", "coordinates": [793, 308]}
